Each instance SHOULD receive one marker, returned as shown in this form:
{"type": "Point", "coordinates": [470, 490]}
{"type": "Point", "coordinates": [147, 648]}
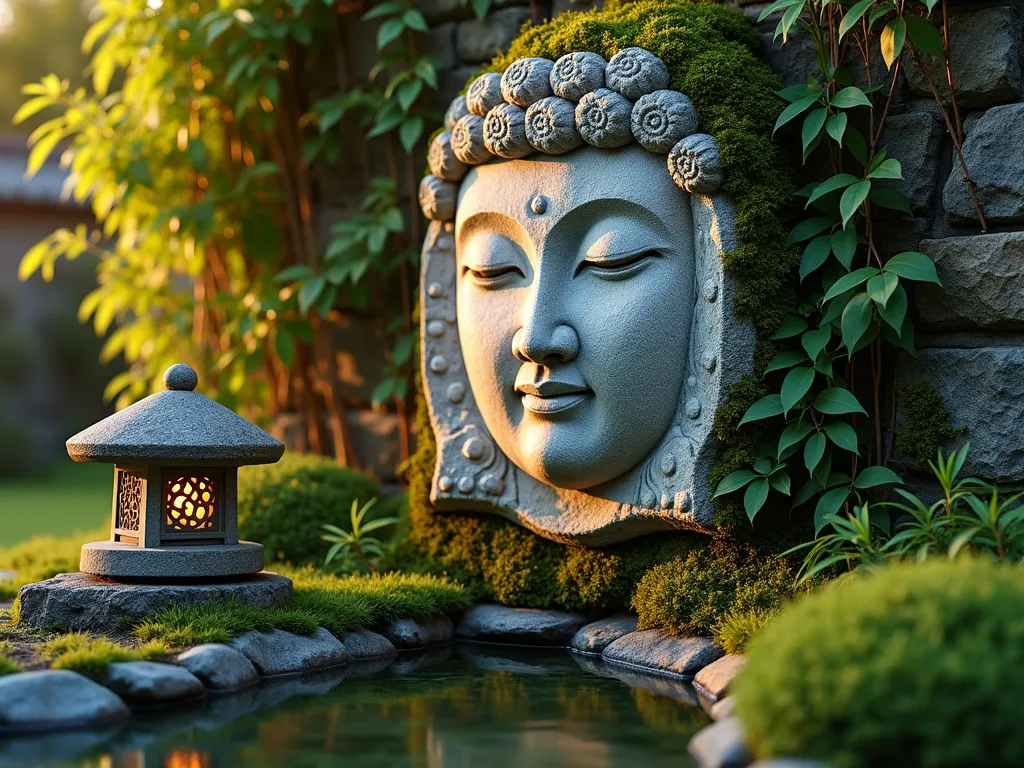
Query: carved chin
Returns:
{"type": "Point", "coordinates": [566, 463]}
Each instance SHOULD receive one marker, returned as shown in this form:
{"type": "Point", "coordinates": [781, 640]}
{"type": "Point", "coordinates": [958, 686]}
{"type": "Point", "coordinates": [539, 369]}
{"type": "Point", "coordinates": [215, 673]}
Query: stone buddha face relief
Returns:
{"type": "Point", "coordinates": [577, 329]}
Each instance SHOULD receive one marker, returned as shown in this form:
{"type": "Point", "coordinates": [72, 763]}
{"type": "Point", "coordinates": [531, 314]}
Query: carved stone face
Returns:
{"type": "Point", "coordinates": [575, 297]}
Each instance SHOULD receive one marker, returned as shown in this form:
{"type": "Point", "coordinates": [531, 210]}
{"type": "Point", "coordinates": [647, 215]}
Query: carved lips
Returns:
{"type": "Point", "coordinates": [548, 396]}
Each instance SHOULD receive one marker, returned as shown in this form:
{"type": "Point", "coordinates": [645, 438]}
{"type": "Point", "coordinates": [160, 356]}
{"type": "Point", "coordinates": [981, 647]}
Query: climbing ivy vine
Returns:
{"type": "Point", "coordinates": [838, 354]}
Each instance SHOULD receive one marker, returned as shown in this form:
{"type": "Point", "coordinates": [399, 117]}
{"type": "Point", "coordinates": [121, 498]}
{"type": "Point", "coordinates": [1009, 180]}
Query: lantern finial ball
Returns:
{"type": "Point", "coordinates": [181, 377]}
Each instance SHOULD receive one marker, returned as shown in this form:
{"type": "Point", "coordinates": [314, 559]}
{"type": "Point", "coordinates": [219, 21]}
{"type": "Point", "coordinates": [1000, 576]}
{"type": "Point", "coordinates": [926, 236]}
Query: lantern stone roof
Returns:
{"type": "Point", "coordinates": [176, 426]}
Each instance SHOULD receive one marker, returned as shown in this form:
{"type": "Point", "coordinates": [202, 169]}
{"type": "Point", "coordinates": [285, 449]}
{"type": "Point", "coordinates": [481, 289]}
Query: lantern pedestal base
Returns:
{"type": "Point", "coordinates": [114, 560]}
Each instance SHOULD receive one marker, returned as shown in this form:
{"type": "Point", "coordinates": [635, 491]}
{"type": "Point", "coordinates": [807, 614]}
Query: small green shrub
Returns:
{"type": "Point", "coordinates": [735, 631]}
{"type": "Point", "coordinates": [8, 667]}
{"type": "Point", "coordinates": [284, 505]}
{"type": "Point", "coordinates": [91, 656]}
{"type": "Point", "coordinates": [41, 558]}
{"type": "Point", "coordinates": [917, 665]}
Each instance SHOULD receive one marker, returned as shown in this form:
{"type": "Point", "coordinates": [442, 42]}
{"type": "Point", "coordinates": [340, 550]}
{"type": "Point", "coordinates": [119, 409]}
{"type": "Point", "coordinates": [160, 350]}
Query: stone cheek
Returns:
{"type": "Point", "coordinates": [982, 284]}
{"type": "Point", "coordinates": [994, 152]}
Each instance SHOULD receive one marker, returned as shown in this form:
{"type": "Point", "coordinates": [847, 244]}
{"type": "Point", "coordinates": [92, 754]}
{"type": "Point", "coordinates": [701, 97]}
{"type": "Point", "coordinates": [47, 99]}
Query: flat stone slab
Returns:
{"type": "Point", "coordinates": [595, 637]}
{"type": "Point", "coordinates": [522, 626]}
{"type": "Point", "coordinates": [363, 645]}
{"type": "Point", "coordinates": [723, 708]}
{"type": "Point", "coordinates": [219, 667]}
{"type": "Point", "coordinates": [56, 699]}
{"type": "Point", "coordinates": [281, 653]}
{"type": "Point", "coordinates": [150, 683]}
{"type": "Point", "coordinates": [115, 560]}
{"type": "Point", "coordinates": [80, 601]}
{"type": "Point", "coordinates": [720, 745]}
{"type": "Point", "coordinates": [714, 680]}
{"type": "Point", "coordinates": [658, 651]}
{"type": "Point", "coordinates": [407, 634]}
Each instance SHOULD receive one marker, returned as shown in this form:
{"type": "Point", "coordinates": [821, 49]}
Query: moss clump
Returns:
{"type": "Point", "coordinates": [735, 631]}
{"type": "Point", "coordinates": [339, 604]}
{"type": "Point", "coordinates": [284, 505]}
{"type": "Point", "coordinates": [91, 656]}
{"type": "Point", "coordinates": [926, 426]}
{"type": "Point", "coordinates": [914, 665]}
{"type": "Point", "coordinates": [692, 593]}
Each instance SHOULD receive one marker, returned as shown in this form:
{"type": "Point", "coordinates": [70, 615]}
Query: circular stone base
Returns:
{"type": "Point", "coordinates": [81, 601]}
{"type": "Point", "coordinates": [115, 560]}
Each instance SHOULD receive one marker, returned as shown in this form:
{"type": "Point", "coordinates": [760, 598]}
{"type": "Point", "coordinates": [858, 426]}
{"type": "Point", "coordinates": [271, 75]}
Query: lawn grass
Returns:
{"type": "Point", "coordinates": [7, 667]}
{"type": "Point", "coordinates": [80, 652]}
{"type": "Point", "coordinates": [71, 497]}
{"type": "Point", "coordinates": [41, 558]}
{"type": "Point", "coordinates": [340, 604]}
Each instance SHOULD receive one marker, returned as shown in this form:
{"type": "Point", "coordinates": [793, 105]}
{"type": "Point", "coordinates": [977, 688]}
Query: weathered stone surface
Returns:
{"type": "Point", "coordinates": [984, 391]}
{"type": "Point", "coordinates": [364, 644]}
{"type": "Point", "coordinates": [914, 139]}
{"type": "Point", "coordinates": [440, 43]}
{"type": "Point", "coordinates": [723, 708]}
{"type": "Point", "coordinates": [713, 681]}
{"type": "Point", "coordinates": [117, 560]}
{"type": "Point", "coordinates": [478, 40]}
{"type": "Point", "coordinates": [219, 667]}
{"type": "Point", "coordinates": [982, 283]}
{"type": "Point", "coordinates": [595, 637]}
{"type": "Point", "coordinates": [446, 10]}
{"type": "Point", "coordinates": [83, 602]}
{"type": "Point", "coordinates": [720, 745]}
{"type": "Point", "coordinates": [986, 57]}
{"type": "Point", "coordinates": [149, 683]}
{"type": "Point", "coordinates": [525, 626]}
{"type": "Point", "coordinates": [282, 653]}
{"type": "Point", "coordinates": [994, 152]}
{"type": "Point", "coordinates": [658, 651]}
{"type": "Point", "coordinates": [407, 634]}
{"type": "Point", "coordinates": [55, 699]}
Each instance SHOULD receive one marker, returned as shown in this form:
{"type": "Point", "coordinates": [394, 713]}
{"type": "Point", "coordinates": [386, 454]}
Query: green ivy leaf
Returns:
{"type": "Point", "coordinates": [734, 481]}
{"type": "Point", "coordinates": [828, 505]}
{"type": "Point", "coordinates": [755, 497]}
{"type": "Point", "coordinates": [871, 477]}
{"type": "Point", "coordinates": [766, 407]}
{"type": "Point", "coordinates": [887, 169]}
{"type": "Point", "coordinates": [785, 360]}
{"type": "Point", "coordinates": [797, 92]}
{"type": "Point", "coordinates": [857, 145]}
{"type": "Point", "coordinates": [812, 126]}
{"type": "Point", "coordinates": [836, 127]}
{"type": "Point", "coordinates": [388, 32]}
{"type": "Point", "coordinates": [853, 198]}
{"type": "Point", "coordinates": [853, 16]}
{"type": "Point", "coordinates": [414, 20]}
{"type": "Point", "coordinates": [814, 341]}
{"type": "Point", "coordinates": [850, 97]}
{"type": "Point", "coordinates": [809, 228]}
{"type": "Point", "coordinates": [778, 5]}
{"type": "Point", "coordinates": [892, 40]}
{"type": "Point", "coordinates": [284, 346]}
{"type": "Point", "coordinates": [815, 254]}
{"type": "Point", "coordinates": [410, 133]}
{"type": "Point", "coordinates": [792, 325]}
{"type": "Point", "coordinates": [793, 435]}
{"type": "Point", "coordinates": [814, 450]}
{"type": "Point", "coordinates": [913, 266]}
{"type": "Point", "coordinates": [794, 110]}
{"type": "Point", "coordinates": [844, 246]}
{"type": "Point", "coordinates": [839, 181]}
{"type": "Point", "coordinates": [843, 435]}
{"type": "Point", "coordinates": [780, 482]}
{"type": "Point", "coordinates": [856, 320]}
{"type": "Point", "coordinates": [837, 401]}
{"type": "Point", "coordinates": [851, 280]}
{"type": "Point", "coordinates": [924, 35]}
{"type": "Point", "coordinates": [796, 384]}
{"type": "Point", "coordinates": [310, 291]}
{"type": "Point", "coordinates": [806, 493]}
{"type": "Point", "coordinates": [880, 288]}
{"type": "Point", "coordinates": [892, 199]}
{"type": "Point", "coordinates": [895, 310]}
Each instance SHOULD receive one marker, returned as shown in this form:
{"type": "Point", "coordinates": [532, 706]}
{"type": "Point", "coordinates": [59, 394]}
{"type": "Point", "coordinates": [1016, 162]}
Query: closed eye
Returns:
{"type": "Point", "coordinates": [619, 266]}
{"type": "Point", "coordinates": [492, 277]}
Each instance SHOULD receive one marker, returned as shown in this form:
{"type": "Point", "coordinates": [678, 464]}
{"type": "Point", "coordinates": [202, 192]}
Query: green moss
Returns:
{"type": "Point", "coordinates": [736, 629]}
{"type": "Point", "coordinates": [913, 665]}
{"type": "Point", "coordinates": [91, 656]}
{"type": "Point", "coordinates": [712, 55]}
{"type": "Point", "coordinates": [926, 426]}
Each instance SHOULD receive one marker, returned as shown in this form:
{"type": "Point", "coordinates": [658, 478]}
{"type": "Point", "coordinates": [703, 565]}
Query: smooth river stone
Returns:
{"type": "Point", "coordinates": [594, 638]}
{"type": "Point", "coordinates": [281, 653]}
{"type": "Point", "coordinates": [407, 634]}
{"type": "Point", "coordinates": [150, 683]}
{"type": "Point", "coordinates": [658, 651]}
{"type": "Point", "coordinates": [54, 699]}
{"type": "Point", "coordinates": [714, 680]}
{"type": "Point", "coordinates": [523, 626]}
{"type": "Point", "coordinates": [219, 667]}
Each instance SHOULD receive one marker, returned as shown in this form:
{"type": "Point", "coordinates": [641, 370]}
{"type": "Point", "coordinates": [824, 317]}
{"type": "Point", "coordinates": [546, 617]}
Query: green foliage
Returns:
{"type": "Point", "coordinates": [737, 628]}
{"type": "Point", "coordinates": [41, 558]}
{"type": "Point", "coordinates": [913, 665]}
{"type": "Point", "coordinates": [284, 505]}
{"type": "Point", "coordinates": [691, 594]}
{"type": "Point", "coordinates": [926, 426]}
{"type": "Point", "coordinates": [91, 656]}
{"type": "Point", "coordinates": [969, 517]}
{"type": "Point", "coordinates": [8, 667]}
{"type": "Point", "coordinates": [354, 548]}
{"type": "Point", "coordinates": [339, 604]}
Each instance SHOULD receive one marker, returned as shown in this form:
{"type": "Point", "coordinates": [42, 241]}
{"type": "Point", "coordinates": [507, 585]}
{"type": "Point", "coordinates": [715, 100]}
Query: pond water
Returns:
{"type": "Point", "coordinates": [460, 707]}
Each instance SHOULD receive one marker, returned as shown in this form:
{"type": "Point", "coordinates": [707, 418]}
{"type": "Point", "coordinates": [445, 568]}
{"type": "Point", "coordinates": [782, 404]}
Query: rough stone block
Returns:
{"type": "Point", "coordinates": [595, 637]}
{"type": "Point", "coordinates": [440, 43]}
{"type": "Point", "coordinates": [364, 644]}
{"type": "Point", "coordinates": [524, 626]}
{"type": "Point", "coordinates": [984, 391]}
{"type": "Point", "coordinates": [994, 152]}
{"type": "Point", "coordinates": [720, 745]}
{"type": "Point", "coordinates": [219, 667]}
{"type": "Point", "coordinates": [281, 653]}
{"type": "Point", "coordinates": [982, 283]}
{"type": "Point", "coordinates": [54, 699]}
{"type": "Point", "coordinates": [714, 680]}
{"type": "Point", "coordinates": [407, 634]}
{"type": "Point", "coordinates": [478, 41]}
{"type": "Point", "coordinates": [83, 602]}
{"type": "Point", "coordinates": [659, 651]}
{"type": "Point", "coordinates": [723, 708]}
{"type": "Point", "coordinates": [914, 139]}
{"type": "Point", "coordinates": [986, 58]}
{"type": "Point", "coordinates": [148, 683]}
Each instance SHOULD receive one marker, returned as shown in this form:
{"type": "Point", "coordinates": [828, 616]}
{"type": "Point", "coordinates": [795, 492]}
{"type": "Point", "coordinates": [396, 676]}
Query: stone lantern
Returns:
{"type": "Point", "coordinates": [175, 513]}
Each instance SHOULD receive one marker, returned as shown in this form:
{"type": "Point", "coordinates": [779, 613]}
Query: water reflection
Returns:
{"type": "Point", "coordinates": [476, 705]}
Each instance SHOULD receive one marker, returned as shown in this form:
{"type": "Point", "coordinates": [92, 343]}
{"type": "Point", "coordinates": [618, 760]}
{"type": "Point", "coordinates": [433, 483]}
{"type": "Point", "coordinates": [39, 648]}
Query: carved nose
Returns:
{"type": "Point", "coordinates": [559, 346]}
